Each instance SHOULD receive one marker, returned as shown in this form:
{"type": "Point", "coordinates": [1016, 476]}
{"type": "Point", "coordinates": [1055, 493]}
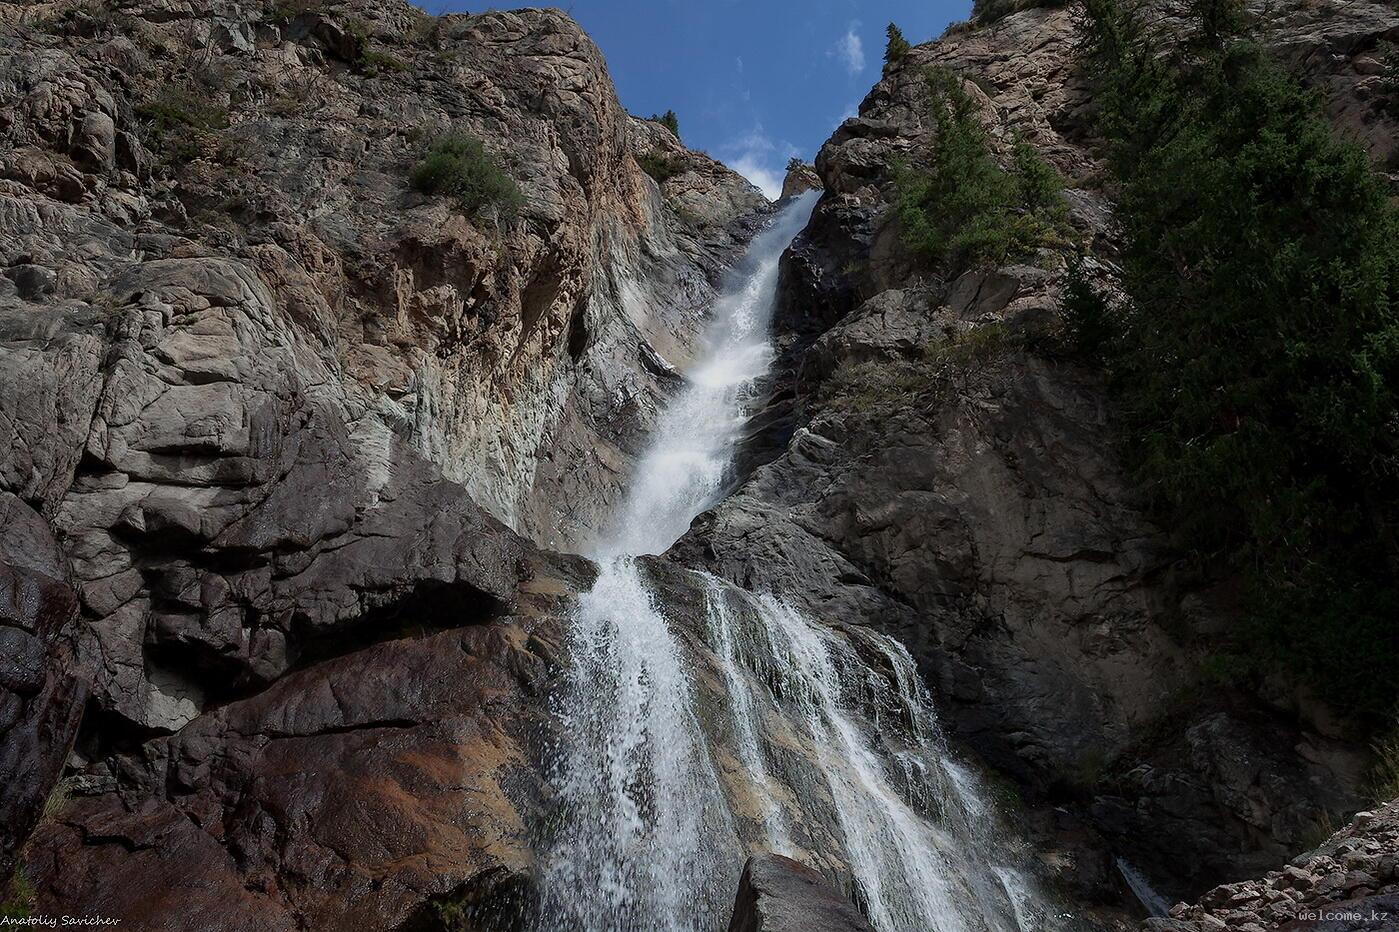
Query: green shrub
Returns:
{"type": "Point", "coordinates": [364, 58]}
{"type": "Point", "coordinates": [669, 120]}
{"type": "Point", "coordinates": [965, 209]}
{"type": "Point", "coordinates": [1258, 367]}
{"type": "Point", "coordinates": [897, 46]}
{"type": "Point", "coordinates": [182, 125]}
{"type": "Point", "coordinates": [1087, 319]}
{"type": "Point", "coordinates": [660, 166]}
{"type": "Point", "coordinates": [458, 165]}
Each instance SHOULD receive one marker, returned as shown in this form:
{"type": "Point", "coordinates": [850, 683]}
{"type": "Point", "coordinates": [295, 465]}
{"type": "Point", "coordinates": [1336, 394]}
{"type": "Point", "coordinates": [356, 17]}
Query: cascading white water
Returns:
{"type": "Point", "coordinates": [645, 836]}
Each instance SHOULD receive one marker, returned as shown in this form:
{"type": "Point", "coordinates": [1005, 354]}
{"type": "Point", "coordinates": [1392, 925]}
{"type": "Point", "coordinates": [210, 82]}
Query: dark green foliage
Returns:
{"type": "Point", "coordinates": [660, 166]}
{"type": "Point", "coordinates": [897, 46]}
{"type": "Point", "coordinates": [1217, 20]}
{"type": "Point", "coordinates": [181, 125]}
{"type": "Point", "coordinates": [669, 120]}
{"type": "Point", "coordinates": [795, 164]}
{"type": "Point", "coordinates": [1088, 323]}
{"type": "Point", "coordinates": [966, 209]}
{"type": "Point", "coordinates": [458, 165]}
{"type": "Point", "coordinates": [1259, 362]}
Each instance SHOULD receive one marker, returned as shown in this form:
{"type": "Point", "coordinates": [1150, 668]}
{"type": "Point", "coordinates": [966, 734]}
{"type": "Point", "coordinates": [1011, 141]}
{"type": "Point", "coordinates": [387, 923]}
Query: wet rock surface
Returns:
{"type": "Point", "coordinates": [778, 894]}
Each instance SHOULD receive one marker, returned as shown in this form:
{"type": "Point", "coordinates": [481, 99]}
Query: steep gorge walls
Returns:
{"type": "Point", "coordinates": [936, 465]}
{"type": "Point", "coordinates": [281, 429]}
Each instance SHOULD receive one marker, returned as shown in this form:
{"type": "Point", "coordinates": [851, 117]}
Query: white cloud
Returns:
{"type": "Point", "coordinates": [755, 156]}
{"type": "Point", "coordinates": [850, 49]}
{"type": "Point", "coordinates": [764, 179]}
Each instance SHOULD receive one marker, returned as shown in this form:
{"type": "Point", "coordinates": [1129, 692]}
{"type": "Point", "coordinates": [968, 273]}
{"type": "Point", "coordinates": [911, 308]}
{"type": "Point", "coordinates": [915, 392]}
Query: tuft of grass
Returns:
{"type": "Point", "coordinates": [1389, 78]}
{"type": "Point", "coordinates": [458, 165]}
{"type": "Point", "coordinates": [1384, 777]}
{"type": "Point", "coordinates": [19, 897]}
{"type": "Point", "coordinates": [285, 12]}
{"type": "Point", "coordinates": [879, 388]}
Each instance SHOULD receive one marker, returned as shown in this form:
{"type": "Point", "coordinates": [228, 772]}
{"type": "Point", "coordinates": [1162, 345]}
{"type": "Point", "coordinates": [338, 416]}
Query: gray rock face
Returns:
{"type": "Point", "coordinates": [777, 894]}
{"type": "Point", "coordinates": [931, 467]}
{"type": "Point", "coordinates": [283, 433]}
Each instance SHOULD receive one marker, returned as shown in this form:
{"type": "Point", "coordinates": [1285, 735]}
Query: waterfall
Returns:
{"type": "Point", "coordinates": [758, 729]}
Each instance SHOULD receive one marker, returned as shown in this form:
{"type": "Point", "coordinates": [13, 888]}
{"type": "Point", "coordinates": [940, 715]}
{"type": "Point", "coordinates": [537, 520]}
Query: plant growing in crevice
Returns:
{"type": "Point", "coordinates": [881, 388]}
{"type": "Point", "coordinates": [17, 903]}
{"type": "Point", "coordinates": [660, 165]}
{"type": "Point", "coordinates": [458, 165]}
{"type": "Point", "coordinates": [181, 125]}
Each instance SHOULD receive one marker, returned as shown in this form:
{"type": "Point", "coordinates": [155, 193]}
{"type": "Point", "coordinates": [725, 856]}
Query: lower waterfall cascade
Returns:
{"type": "Point", "coordinates": [764, 731]}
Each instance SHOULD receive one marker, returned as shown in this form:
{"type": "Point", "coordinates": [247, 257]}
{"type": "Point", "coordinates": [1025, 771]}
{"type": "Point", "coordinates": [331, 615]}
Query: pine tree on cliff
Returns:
{"type": "Point", "coordinates": [669, 120]}
{"type": "Point", "coordinates": [898, 46]}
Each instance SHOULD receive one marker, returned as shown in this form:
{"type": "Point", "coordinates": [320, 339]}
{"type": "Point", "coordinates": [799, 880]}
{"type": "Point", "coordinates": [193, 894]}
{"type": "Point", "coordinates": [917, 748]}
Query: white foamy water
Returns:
{"type": "Point", "coordinates": [646, 836]}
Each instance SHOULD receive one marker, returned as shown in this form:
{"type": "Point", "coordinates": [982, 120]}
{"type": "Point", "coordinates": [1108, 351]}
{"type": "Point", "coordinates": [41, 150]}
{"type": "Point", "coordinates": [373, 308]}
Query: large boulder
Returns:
{"type": "Point", "coordinates": [778, 894]}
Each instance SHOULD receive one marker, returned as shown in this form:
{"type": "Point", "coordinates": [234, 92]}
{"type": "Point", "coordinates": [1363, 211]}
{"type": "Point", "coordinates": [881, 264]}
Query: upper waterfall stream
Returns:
{"type": "Point", "coordinates": [756, 729]}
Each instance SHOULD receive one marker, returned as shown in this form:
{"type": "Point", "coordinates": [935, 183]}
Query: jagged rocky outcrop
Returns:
{"type": "Point", "coordinates": [928, 464]}
{"type": "Point", "coordinates": [285, 434]}
{"type": "Point", "coordinates": [800, 177]}
{"type": "Point", "coordinates": [1348, 884]}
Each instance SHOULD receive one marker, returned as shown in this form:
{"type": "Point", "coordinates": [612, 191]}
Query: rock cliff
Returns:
{"type": "Point", "coordinates": [284, 433]}
{"type": "Point", "coordinates": [928, 464]}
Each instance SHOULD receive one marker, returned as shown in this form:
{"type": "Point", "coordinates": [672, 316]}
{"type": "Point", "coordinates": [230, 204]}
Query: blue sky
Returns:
{"type": "Point", "coordinates": [753, 82]}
